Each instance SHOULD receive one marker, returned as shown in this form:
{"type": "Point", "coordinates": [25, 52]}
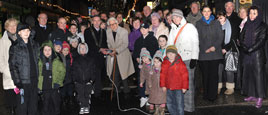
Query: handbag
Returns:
{"type": "Point", "coordinates": [231, 59]}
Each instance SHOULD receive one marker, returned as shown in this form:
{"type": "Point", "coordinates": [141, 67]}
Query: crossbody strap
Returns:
{"type": "Point", "coordinates": [179, 33]}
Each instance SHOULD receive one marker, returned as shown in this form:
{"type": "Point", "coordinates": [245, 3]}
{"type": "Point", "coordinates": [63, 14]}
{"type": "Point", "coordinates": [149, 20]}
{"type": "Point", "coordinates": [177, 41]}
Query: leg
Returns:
{"type": "Point", "coordinates": [179, 102]}
{"type": "Point", "coordinates": [213, 79]}
{"type": "Point", "coordinates": [204, 69]}
{"type": "Point", "coordinates": [189, 95]}
{"type": "Point", "coordinates": [170, 102]}
{"type": "Point", "coordinates": [56, 101]}
{"type": "Point", "coordinates": [221, 69]}
{"type": "Point", "coordinates": [230, 83]}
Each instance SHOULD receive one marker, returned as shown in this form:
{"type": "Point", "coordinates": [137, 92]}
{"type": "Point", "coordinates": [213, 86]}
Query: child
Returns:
{"type": "Point", "coordinates": [51, 76]}
{"type": "Point", "coordinates": [83, 72]}
{"type": "Point", "coordinates": [145, 68]}
{"type": "Point", "coordinates": [156, 95]}
{"type": "Point", "coordinates": [74, 44]}
{"type": "Point", "coordinates": [73, 29]}
{"type": "Point", "coordinates": [162, 42]}
{"type": "Point", "coordinates": [174, 80]}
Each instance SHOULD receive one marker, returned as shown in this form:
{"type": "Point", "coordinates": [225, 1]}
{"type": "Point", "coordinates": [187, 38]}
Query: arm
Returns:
{"type": "Point", "coordinates": [13, 65]}
{"type": "Point", "coordinates": [185, 75]}
{"type": "Point", "coordinates": [163, 73]}
{"type": "Point", "coordinates": [260, 41]}
{"type": "Point", "coordinates": [195, 43]}
{"type": "Point", "coordinates": [217, 42]}
{"type": "Point", "coordinates": [58, 71]}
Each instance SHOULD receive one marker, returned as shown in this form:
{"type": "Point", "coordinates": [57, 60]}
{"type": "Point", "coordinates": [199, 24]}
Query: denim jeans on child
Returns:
{"type": "Point", "coordinates": [175, 102]}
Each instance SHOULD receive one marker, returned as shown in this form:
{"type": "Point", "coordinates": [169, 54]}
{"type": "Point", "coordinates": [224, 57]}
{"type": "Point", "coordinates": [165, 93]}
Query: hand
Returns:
{"type": "Point", "coordinates": [223, 51]}
{"type": "Point", "coordinates": [19, 85]}
{"type": "Point", "coordinates": [113, 53]}
{"type": "Point", "coordinates": [103, 51]}
{"type": "Point", "coordinates": [208, 51]}
{"type": "Point", "coordinates": [184, 90]}
{"type": "Point", "coordinates": [164, 89]}
{"type": "Point", "coordinates": [138, 60]}
{"type": "Point", "coordinates": [141, 84]}
{"type": "Point", "coordinates": [193, 63]}
{"type": "Point", "coordinates": [212, 49]}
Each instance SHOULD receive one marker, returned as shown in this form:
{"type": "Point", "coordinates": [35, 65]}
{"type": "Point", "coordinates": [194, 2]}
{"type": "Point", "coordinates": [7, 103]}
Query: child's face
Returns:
{"type": "Point", "coordinates": [74, 44]}
{"type": "Point", "coordinates": [57, 48]}
{"type": "Point", "coordinates": [144, 31]}
{"type": "Point", "coordinates": [24, 34]}
{"type": "Point", "coordinates": [162, 42]}
{"type": "Point", "coordinates": [157, 63]}
{"type": "Point", "coordinates": [83, 28]}
{"type": "Point", "coordinates": [146, 60]}
{"type": "Point", "coordinates": [65, 51]}
{"type": "Point", "coordinates": [171, 55]}
{"type": "Point", "coordinates": [47, 51]}
{"type": "Point", "coordinates": [83, 49]}
{"type": "Point", "coordinates": [222, 19]}
{"type": "Point", "coordinates": [73, 30]}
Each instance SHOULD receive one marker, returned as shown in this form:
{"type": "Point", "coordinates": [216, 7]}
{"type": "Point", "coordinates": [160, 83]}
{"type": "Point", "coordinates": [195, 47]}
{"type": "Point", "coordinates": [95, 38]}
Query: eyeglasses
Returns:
{"type": "Point", "coordinates": [113, 24]}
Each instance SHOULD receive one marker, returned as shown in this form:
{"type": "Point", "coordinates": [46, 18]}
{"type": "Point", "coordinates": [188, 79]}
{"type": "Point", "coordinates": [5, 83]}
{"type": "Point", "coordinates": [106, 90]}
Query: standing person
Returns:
{"type": "Point", "coordinates": [243, 14]}
{"type": "Point", "coordinates": [94, 12]}
{"type": "Point", "coordinates": [122, 66]}
{"type": "Point", "coordinates": [158, 27]}
{"type": "Point", "coordinates": [174, 80]}
{"type": "Point", "coordinates": [61, 33]}
{"type": "Point", "coordinates": [104, 16]}
{"type": "Point", "coordinates": [84, 76]}
{"type": "Point", "coordinates": [6, 41]}
{"type": "Point", "coordinates": [210, 52]}
{"type": "Point", "coordinates": [96, 39]}
{"type": "Point", "coordinates": [51, 76]}
{"type": "Point", "coordinates": [119, 18]}
{"type": "Point", "coordinates": [252, 40]}
{"type": "Point", "coordinates": [195, 13]}
{"type": "Point", "coordinates": [147, 15]}
{"type": "Point", "coordinates": [42, 29]}
{"type": "Point", "coordinates": [24, 70]}
{"type": "Point", "coordinates": [135, 34]}
{"type": "Point", "coordinates": [112, 13]}
{"type": "Point", "coordinates": [185, 37]}
{"type": "Point", "coordinates": [162, 42]}
{"type": "Point", "coordinates": [81, 34]}
{"type": "Point", "coordinates": [73, 29]}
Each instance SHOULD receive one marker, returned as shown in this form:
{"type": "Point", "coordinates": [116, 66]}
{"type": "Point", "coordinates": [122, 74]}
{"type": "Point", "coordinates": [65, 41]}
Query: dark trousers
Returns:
{"type": "Point", "coordinates": [118, 79]}
{"type": "Point", "coordinates": [30, 97]}
{"type": "Point", "coordinates": [83, 94]}
{"type": "Point", "coordinates": [51, 102]}
{"type": "Point", "coordinates": [210, 78]}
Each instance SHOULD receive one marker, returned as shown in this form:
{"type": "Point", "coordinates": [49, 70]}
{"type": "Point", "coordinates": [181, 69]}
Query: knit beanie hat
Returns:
{"type": "Point", "coordinates": [172, 49]}
{"type": "Point", "coordinates": [144, 52]}
{"type": "Point", "coordinates": [158, 53]}
{"type": "Point", "coordinates": [177, 12]}
{"type": "Point", "coordinates": [74, 39]}
{"type": "Point", "coordinates": [57, 42]}
{"type": "Point", "coordinates": [156, 15]}
{"type": "Point", "coordinates": [65, 45]}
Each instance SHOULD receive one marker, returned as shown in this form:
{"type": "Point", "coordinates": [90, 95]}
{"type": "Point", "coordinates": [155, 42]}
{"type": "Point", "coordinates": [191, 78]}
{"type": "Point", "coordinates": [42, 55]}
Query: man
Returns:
{"type": "Point", "coordinates": [94, 12]}
{"type": "Point", "coordinates": [103, 16]}
{"type": "Point", "coordinates": [42, 29]}
{"type": "Point", "coordinates": [195, 13]}
{"type": "Point", "coordinates": [61, 33]}
{"type": "Point", "coordinates": [147, 14]}
{"type": "Point", "coordinates": [119, 61]}
{"type": "Point", "coordinates": [187, 44]}
{"type": "Point", "coordinates": [112, 13]}
{"type": "Point", "coordinates": [96, 39]}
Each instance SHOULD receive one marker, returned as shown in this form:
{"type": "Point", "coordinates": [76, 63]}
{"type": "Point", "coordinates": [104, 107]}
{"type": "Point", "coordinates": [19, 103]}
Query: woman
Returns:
{"type": "Point", "coordinates": [252, 41]}
{"type": "Point", "coordinates": [243, 14]}
{"type": "Point", "coordinates": [6, 41]}
{"type": "Point", "coordinates": [157, 26]}
{"type": "Point", "coordinates": [210, 54]}
{"type": "Point", "coordinates": [135, 34]}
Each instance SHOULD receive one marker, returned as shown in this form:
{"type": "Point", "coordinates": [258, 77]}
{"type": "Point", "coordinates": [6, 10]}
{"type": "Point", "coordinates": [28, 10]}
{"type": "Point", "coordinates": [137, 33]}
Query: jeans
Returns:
{"type": "Point", "coordinates": [175, 102]}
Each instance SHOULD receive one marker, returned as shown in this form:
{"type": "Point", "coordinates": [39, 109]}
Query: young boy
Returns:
{"type": "Point", "coordinates": [174, 80]}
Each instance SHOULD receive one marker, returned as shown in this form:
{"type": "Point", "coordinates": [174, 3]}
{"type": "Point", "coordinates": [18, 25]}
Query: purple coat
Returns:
{"type": "Point", "coordinates": [132, 37]}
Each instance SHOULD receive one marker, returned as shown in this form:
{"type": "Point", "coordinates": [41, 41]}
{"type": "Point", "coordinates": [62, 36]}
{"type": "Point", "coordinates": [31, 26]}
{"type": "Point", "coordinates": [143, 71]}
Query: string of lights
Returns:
{"type": "Point", "coordinates": [133, 8]}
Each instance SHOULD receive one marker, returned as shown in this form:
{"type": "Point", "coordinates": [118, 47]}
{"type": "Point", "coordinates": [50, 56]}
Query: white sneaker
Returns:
{"type": "Point", "coordinates": [86, 110]}
{"type": "Point", "coordinates": [81, 110]}
{"type": "Point", "coordinates": [143, 101]}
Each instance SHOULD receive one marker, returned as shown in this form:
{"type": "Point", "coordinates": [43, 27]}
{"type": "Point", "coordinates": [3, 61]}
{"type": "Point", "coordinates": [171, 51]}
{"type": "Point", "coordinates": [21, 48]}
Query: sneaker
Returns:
{"type": "Point", "coordinates": [143, 101]}
{"type": "Point", "coordinates": [81, 110]}
{"type": "Point", "coordinates": [86, 110]}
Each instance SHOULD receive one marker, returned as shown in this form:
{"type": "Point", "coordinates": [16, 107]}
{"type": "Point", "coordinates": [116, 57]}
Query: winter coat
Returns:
{"type": "Point", "coordinates": [58, 69]}
{"type": "Point", "coordinates": [41, 33]}
{"type": "Point", "coordinates": [59, 34]}
{"type": "Point", "coordinates": [187, 43]}
{"type": "Point", "coordinates": [123, 56]}
{"type": "Point", "coordinates": [161, 30]}
{"type": "Point", "coordinates": [210, 35]}
{"type": "Point", "coordinates": [156, 94]}
{"type": "Point", "coordinates": [5, 44]}
{"type": "Point", "coordinates": [174, 76]}
{"type": "Point", "coordinates": [132, 37]}
{"type": "Point", "coordinates": [149, 42]}
{"type": "Point", "coordinates": [19, 60]}
{"type": "Point", "coordinates": [145, 77]}
{"type": "Point", "coordinates": [193, 19]}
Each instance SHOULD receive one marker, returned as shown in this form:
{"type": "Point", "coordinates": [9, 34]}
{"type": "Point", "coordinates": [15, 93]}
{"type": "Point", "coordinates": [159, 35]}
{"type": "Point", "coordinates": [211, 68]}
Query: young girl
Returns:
{"type": "Point", "coordinates": [162, 42]}
{"type": "Point", "coordinates": [156, 95]}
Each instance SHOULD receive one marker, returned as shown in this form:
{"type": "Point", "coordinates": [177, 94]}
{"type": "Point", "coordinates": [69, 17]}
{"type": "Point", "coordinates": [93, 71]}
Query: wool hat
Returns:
{"type": "Point", "coordinates": [145, 25]}
{"type": "Point", "coordinates": [158, 53]}
{"type": "Point", "coordinates": [156, 15]}
{"type": "Point", "coordinates": [172, 48]}
{"type": "Point", "coordinates": [57, 42]}
{"type": "Point", "coordinates": [177, 12]}
{"type": "Point", "coordinates": [144, 52]}
{"type": "Point", "coordinates": [73, 39]}
{"type": "Point", "coordinates": [22, 26]}
{"type": "Point", "coordinates": [65, 45]}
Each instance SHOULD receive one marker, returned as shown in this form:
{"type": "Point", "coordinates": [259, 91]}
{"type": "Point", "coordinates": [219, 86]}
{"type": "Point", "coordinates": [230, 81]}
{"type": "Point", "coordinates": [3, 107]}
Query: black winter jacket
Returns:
{"type": "Point", "coordinates": [41, 34]}
{"type": "Point", "coordinates": [19, 60]}
{"type": "Point", "coordinates": [59, 34]}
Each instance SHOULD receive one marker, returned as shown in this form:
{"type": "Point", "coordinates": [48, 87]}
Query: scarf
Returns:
{"type": "Point", "coordinates": [241, 26]}
{"type": "Point", "coordinates": [12, 36]}
{"type": "Point", "coordinates": [209, 20]}
{"type": "Point", "coordinates": [228, 31]}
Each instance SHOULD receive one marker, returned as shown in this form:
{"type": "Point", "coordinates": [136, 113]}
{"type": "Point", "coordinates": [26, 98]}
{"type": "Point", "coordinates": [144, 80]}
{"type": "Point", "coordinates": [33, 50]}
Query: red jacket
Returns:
{"type": "Point", "coordinates": [174, 76]}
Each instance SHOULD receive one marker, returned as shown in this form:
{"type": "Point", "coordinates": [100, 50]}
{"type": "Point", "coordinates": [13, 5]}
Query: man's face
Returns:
{"type": "Point", "coordinates": [194, 8]}
{"type": "Point", "coordinates": [138, 14]}
{"type": "Point", "coordinates": [229, 8]}
{"type": "Point", "coordinates": [74, 44]}
{"type": "Point", "coordinates": [83, 28]}
{"type": "Point", "coordinates": [103, 16]}
{"type": "Point", "coordinates": [47, 51]}
{"type": "Point", "coordinates": [113, 25]}
{"type": "Point", "coordinates": [42, 19]}
{"type": "Point", "coordinates": [96, 22]}
{"type": "Point", "coordinates": [160, 13]}
{"type": "Point", "coordinates": [57, 48]}
{"type": "Point", "coordinates": [147, 10]}
{"type": "Point", "coordinates": [94, 12]}
{"type": "Point", "coordinates": [119, 18]}
{"type": "Point", "coordinates": [24, 34]}
{"type": "Point", "coordinates": [111, 14]}
{"type": "Point", "coordinates": [73, 29]}
{"type": "Point", "coordinates": [62, 24]}
{"type": "Point", "coordinates": [176, 20]}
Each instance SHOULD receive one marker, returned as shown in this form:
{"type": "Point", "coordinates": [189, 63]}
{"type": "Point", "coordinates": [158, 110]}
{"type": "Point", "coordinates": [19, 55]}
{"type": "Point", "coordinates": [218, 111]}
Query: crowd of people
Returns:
{"type": "Point", "coordinates": [163, 49]}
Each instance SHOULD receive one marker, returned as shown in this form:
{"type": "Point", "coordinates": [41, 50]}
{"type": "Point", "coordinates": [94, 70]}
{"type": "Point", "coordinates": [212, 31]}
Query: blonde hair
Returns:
{"type": "Point", "coordinates": [9, 21]}
{"type": "Point", "coordinates": [241, 8]}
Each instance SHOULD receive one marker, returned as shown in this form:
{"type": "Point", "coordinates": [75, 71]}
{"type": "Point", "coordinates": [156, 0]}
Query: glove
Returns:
{"type": "Point", "coordinates": [56, 86]}
{"type": "Point", "coordinates": [193, 63]}
{"type": "Point", "coordinates": [19, 85]}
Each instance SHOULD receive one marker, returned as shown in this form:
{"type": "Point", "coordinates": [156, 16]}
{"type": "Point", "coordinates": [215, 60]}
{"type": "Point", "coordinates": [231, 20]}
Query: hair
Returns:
{"type": "Point", "coordinates": [159, 59]}
{"type": "Point", "coordinates": [72, 25]}
{"type": "Point", "coordinates": [241, 8]}
{"type": "Point", "coordinates": [163, 36]}
{"type": "Point", "coordinates": [78, 47]}
{"type": "Point", "coordinates": [111, 19]}
{"type": "Point", "coordinates": [195, 3]}
{"type": "Point", "coordinates": [10, 20]}
{"type": "Point", "coordinates": [40, 14]}
{"type": "Point", "coordinates": [206, 6]}
{"type": "Point", "coordinates": [61, 18]}
{"type": "Point", "coordinates": [229, 2]}
{"type": "Point", "coordinates": [119, 14]}
{"type": "Point", "coordinates": [95, 16]}
{"type": "Point", "coordinates": [221, 13]}
{"type": "Point", "coordinates": [135, 19]}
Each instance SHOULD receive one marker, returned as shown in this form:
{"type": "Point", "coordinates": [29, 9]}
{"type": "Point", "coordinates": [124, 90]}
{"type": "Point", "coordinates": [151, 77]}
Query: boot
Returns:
{"type": "Point", "coordinates": [219, 87]}
{"type": "Point", "coordinates": [258, 103]}
{"type": "Point", "coordinates": [162, 110]}
{"type": "Point", "coordinates": [230, 89]}
{"type": "Point", "coordinates": [156, 111]}
{"type": "Point", "coordinates": [248, 99]}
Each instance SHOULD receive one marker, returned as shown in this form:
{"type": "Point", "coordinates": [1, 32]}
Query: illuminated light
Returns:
{"type": "Point", "coordinates": [150, 4]}
{"type": "Point", "coordinates": [42, 2]}
{"type": "Point", "coordinates": [132, 9]}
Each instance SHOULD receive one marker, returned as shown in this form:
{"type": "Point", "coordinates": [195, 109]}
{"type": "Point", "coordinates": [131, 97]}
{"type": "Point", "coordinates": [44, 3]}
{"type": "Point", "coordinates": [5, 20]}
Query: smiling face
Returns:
{"type": "Point", "coordinates": [229, 7]}
{"type": "Point", "coordinates": [47, 51]}
{"type": "Point", "coordinates": [222, 19]}
{"type": "Point", "coordinates": [206, 12]}
{"type": "Point", "coordinates": [119, 18]}
{"type": "Point", "coordinates": [253, 13]}
{"type": "Point", "coordinates": [243, 13]}
{"type": "Point", "coordinates": [61, 23]}
{"type": "Point", "coordinates": [24, 34]}
{"type": "Point", "coordinates": [144, 31]}
{"type": "Point", "coordinates": [162, 42]}
{"type": "Point", "coordinates": [137, 24]}
{"type": "Point", "coordinates": [155, 21]}
{"type": "Point", "coordinates": [65, 51]}
{"type": "Point", "coordinates": [194, 8]}
{"type": "Point", "coordinates": [42, 19]}
{"type": "Point", "coordinates": [113, 25]}
{"type": "Point", "coordinates": [12, 27]}
{"type": "Point", "coordinates": [157, 63]}
{"type": "Point", "coordinates": [73, 29]}
{"type": "Point", "coordinates": [171, 56]}
{"type": "Point", "coordinates": [176, 20]}
{"type": "Point", "coordinates": [145, 60]}
{"type": "Point", "coordinates": [57, 48]}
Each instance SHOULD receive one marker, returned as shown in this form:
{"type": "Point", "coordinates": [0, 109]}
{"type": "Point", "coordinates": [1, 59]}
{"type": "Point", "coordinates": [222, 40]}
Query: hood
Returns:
{"type": "Point", "coordinates": [50, 44]}
{"type": "Point", "coordinates": [78, 48]}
